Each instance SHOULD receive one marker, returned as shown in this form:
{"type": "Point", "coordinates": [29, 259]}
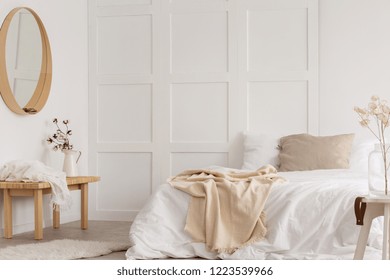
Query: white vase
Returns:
{"type": "Point", "coordinates": [377, 177]}
{"type": "Point", "coordinates": [71, 157]}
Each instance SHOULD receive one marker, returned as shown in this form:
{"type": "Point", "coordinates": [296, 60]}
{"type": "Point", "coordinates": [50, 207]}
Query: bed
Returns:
{"type": "Point", "coordinates": [309, 216]}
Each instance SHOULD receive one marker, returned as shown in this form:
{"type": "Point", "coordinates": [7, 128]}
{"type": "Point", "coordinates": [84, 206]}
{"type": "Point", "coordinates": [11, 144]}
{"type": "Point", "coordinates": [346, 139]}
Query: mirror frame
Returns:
{"type": "Point", "coordinates": [41, 93]}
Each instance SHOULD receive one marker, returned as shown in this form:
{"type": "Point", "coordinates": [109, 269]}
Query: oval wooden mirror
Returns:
{"type": "Point", "coordinates": [25, 62]}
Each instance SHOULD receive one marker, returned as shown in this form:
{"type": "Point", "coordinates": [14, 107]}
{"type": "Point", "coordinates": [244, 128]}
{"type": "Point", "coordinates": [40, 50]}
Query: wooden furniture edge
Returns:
{"type": "Point", "coordinates": [44, 185]}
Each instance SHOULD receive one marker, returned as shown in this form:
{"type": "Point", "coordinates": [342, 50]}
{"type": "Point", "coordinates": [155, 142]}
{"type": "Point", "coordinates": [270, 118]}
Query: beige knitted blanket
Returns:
{"type": "Point", "coordinates": [226, 209]}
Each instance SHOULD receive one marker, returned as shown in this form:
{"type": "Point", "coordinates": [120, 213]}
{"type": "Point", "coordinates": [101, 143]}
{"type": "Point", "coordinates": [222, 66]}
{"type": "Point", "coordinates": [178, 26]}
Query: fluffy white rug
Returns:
{"type": "Point", "coordinates": [62, 249]}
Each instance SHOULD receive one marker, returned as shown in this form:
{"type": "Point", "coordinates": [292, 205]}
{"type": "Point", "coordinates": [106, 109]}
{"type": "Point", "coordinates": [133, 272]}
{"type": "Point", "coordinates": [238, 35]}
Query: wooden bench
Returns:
{"type": "Point", "coordinates": [37, 190]}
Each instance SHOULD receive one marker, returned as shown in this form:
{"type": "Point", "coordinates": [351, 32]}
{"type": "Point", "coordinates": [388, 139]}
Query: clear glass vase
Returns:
{"type": "Point", "coordinates": [378, 174]}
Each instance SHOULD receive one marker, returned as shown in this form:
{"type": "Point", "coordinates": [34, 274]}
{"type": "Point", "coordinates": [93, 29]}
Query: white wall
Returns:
{"type": "Point", "coordinates": [354, 60]}
{"type": "Point", "coordinates": [22, 137]}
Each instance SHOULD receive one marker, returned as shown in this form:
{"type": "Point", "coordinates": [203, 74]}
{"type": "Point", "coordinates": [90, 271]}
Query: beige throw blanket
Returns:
{"type": "Point", "coordinates": [226, 209]}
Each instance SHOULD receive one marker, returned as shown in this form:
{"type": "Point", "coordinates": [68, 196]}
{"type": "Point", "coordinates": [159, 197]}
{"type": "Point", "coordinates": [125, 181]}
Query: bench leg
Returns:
{"type": "Point", "coordinates": [38, 219]}
{"type": "Point", "coordinates": [56, 216]}
{"type": "Point", "coordinates": [7, 214]}
{"type": "Point", "coordinates": [386, 227]}
{"type": "Point", "coordinates": [84, 206]}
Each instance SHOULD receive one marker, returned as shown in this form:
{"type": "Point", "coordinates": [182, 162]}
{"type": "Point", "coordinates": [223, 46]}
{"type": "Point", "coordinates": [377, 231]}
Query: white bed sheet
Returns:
{"type": "Point", "coordinates": [309, 217]}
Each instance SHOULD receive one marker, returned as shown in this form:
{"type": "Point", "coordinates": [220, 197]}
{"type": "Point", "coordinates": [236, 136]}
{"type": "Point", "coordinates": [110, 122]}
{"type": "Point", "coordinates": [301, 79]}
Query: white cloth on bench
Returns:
{"type": "Point", "coordinates": [36, 171]}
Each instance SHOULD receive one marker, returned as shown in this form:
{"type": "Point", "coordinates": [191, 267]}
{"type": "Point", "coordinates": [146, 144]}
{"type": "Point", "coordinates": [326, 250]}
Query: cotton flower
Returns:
{"type": "Point", "coordinates": [60, 139]}
{"type": "Point", "coordinates": [382, 118]}
{"type": "Point", "coordinates": [374, 98]}
{"type": "Point", "coordinates": [360, 110]}
{"type": "Point", "coordinates": [377, 111]}
{"type": "Point", "coordinates": [364, 123]}
{"type": "Point", "coordinates": [385, 109]}
{"type": "Point", "coordinates": [372, 106]}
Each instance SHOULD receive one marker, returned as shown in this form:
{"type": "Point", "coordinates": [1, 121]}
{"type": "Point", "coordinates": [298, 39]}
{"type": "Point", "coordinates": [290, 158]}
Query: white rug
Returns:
{"type": "Point", "coordinates": [62, 249]}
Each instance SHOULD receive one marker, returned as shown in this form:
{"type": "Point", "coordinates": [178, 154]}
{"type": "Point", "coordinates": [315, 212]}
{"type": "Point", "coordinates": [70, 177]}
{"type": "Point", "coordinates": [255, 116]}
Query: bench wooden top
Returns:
{"type": "Point", "coordinates": [376, 199]}
{"type": "Point", "coordinates": [45, 185]}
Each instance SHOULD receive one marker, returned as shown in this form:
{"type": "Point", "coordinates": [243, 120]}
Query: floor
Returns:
{"type": "Point", "coordinates": [97, 230]}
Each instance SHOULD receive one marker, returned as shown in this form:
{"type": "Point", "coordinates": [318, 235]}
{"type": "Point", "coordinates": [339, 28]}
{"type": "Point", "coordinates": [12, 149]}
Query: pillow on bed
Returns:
{"type": "Point", "coordinates": [259, 150]}
{"type": "Point", "coordinates": [361, 148]}
{"type": "Point", "coordinates": [306, 152]}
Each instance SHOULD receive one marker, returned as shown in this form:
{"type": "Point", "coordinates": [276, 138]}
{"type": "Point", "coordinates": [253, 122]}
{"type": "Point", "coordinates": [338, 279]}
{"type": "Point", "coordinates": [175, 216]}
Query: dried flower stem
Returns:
{"type": "Point", "coordinates": [361, 117]}
{"type": "Point", "coordinates": [381, 112]}
{"type": "Point", "coordinates": [60, 139]}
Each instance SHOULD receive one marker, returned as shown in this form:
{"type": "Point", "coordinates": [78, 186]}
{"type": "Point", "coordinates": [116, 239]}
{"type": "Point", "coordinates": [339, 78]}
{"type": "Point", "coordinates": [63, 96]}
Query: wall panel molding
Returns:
{"type": "Point", "coordinates": [186, 78]}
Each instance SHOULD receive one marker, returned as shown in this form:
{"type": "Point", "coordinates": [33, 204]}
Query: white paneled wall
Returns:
{"type": "Point", "coordinates": [173, 83]}
{"type": "Point", "coordinates": [279, 65]}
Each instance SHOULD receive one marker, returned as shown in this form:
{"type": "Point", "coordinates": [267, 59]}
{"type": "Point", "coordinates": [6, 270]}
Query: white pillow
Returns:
{"type": "Point", "coordinates": [259, 150]}
{"type": "Point", "coordinates": [359, 154]}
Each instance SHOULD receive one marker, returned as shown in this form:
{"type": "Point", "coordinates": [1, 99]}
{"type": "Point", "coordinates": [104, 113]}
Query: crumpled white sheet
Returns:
{"type": "Point", "coordinates": [36, 171]}
{"type": "Point", "coordinates": [309, 217]}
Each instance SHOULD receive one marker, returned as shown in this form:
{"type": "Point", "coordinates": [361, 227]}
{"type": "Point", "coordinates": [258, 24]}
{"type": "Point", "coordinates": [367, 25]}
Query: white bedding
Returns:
{"type": "Point", "coordinates": [309, 217]}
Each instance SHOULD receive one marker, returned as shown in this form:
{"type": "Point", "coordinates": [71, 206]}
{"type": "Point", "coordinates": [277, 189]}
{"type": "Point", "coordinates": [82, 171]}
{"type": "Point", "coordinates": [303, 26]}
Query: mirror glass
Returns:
{"type": "Point", "coordinates": [25, 62]}
{"type": "Point", "coordinates": [23, 55]}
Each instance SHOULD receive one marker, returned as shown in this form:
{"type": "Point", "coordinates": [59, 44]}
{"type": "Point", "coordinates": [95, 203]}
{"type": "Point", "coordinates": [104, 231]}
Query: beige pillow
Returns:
{"type": "Point", "coordinates": [306, 152]}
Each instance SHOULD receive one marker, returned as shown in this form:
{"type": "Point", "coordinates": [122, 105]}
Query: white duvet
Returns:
{"type": "Point", "coordinates": [309, 217]}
